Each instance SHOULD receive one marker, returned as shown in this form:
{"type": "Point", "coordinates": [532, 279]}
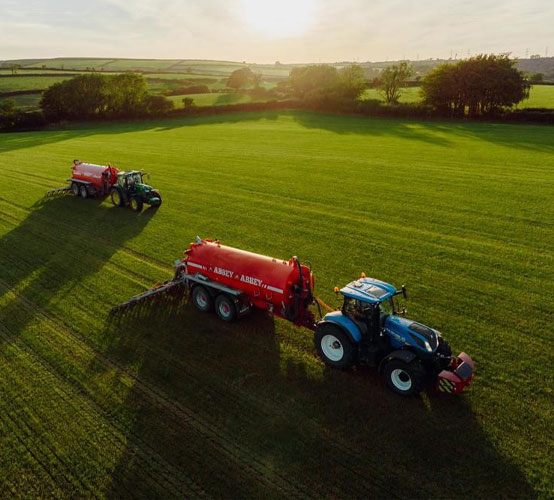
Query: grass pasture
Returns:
{"type": "Point", "coordinates": [25, 102]}
{"type": "Point", "coordinates": [540, 96]}
{"type": "Point", "coordinates": [163, 401]}
{"type": "Point", "coordinates": [11, 84]}
{"type": "Point", "coordinates": [216, 99]}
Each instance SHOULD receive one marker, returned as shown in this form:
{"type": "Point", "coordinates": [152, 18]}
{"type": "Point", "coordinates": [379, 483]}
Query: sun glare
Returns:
{"type": "Point", "coordinates": [278, 18]}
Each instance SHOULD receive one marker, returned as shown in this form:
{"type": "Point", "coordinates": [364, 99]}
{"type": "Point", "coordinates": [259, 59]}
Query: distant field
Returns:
{"type": "Point", "coordinates": [167, 402]}
{"type": "Point", "coordinates": [179, 76]}
{"type": "Point", "coordinates": [26, 102]}
{"type": "Point", "coordinates": [541, 96]}
{"type": "Point", "coordinates": [72, 63]}
{"type": "Point", "coordinates": [29, 82]}
{"type": "Point", "coordinates": [410, 94]}
{"type": "Point", "coordinates": [35, 71]}
{"type": "Point", "coordinates": [203, 67]}
{"type": "Point", "coordinates": [145, 65]}
{"type": "Point", "coordinates": [215, 99]}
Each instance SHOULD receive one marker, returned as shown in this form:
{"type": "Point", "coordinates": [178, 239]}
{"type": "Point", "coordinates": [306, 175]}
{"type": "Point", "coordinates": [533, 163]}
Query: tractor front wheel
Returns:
{"type": "Point", "coordinates": [117, 198]}
{"type": "Point", "coordinates": [225, 308]}
{"type": "Point", "coordinates": [156, 194]}
{"type": "Point", "coordinates": [202, 298]}
{"type": "Point", "coordinates": [75, 189]}
{"type": "Point", "coordinates": [333, 346]}
{"type": "Point", "coordinates": [83, 192]}
{"type": "Point", "coordinates": [406, 379]}
{"type": "Point", "coordinates": [136, 204]}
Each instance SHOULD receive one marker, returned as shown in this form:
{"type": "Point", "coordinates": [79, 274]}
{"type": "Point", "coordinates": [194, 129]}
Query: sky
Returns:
{"type": "Point", "coordinates": [265, 31]}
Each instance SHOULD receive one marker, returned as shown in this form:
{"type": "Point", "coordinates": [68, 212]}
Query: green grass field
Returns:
{"type": "Point", "coordinates": [25, 102]}
{"type": "Point", "coordinates": [29, 82]}
{"type": "Point", "coordinates": [216, 99]}
{"type": "Point", "coordinates": [164, 401]}
{"type": "Point", "coordinates": [540, 96]}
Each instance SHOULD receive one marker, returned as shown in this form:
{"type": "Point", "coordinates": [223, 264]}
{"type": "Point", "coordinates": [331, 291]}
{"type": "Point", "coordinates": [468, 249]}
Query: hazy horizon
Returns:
{"type": "Point", "coordinates": [262, 31]}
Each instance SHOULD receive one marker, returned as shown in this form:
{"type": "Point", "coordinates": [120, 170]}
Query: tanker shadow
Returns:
{"type": "Point", "coordinates": [323, 432]}
{"type": "Point", "coordinates": [188, 416]}
{"type": "Point", "coordinates": [57, 246]}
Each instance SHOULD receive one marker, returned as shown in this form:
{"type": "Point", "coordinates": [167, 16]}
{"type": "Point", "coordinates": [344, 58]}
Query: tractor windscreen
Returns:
{"type": "Point", "coordinates": [387, 307]}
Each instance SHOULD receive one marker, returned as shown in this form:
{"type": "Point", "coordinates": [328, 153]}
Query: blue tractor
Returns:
{"type": "Point", "coordinates": [370, 329]}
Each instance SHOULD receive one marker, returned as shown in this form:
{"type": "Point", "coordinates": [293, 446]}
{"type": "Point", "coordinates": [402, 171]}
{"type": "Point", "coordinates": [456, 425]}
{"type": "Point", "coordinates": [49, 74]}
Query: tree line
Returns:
{"type": "Point", "coordinates": [86, 97]}
{"type": "Point", "coordinates": [484, 85]}
{"type": "Point", "coordinates": [479, 86]}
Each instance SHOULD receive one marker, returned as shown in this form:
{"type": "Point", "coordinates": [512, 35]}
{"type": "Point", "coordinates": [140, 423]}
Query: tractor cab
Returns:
{"type": "Point", "coordinates": [132, 180]}
{"type": "Point", "coordinates": [368, 302]}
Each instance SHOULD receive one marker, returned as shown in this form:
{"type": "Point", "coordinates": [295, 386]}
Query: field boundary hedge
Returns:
{"type": "Point", "coordinates": [12, 93]}
{"type": "Point", "coordinates": [28, 121]}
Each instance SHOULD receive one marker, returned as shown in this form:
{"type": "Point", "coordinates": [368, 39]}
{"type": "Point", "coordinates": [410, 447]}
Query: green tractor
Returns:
{"type": "Point", "coordinates": [130, 190]}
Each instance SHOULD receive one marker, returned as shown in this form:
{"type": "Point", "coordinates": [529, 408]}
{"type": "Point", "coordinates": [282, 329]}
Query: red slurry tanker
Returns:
{"type": "Point", "coordinates": [125, 188]}
{"type": "Point", "coordinates": [369, 329]}
{"type": "Point", "coordinates": [283, 288]}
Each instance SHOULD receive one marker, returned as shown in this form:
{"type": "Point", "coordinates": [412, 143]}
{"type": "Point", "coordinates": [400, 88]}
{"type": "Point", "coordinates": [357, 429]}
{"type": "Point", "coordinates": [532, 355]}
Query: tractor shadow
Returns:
{"type": "Point", "coordinates": [47, 255]}
{"type": "Point", "coordinates": [264, 396]}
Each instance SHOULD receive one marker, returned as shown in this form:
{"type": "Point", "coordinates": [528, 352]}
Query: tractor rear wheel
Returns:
{"type": "Point", "coordinates": [136, 204]}
{"type": "Point", "coordinates": [333, 346]}
{"type": "Point", "coordinates": [406, 379]}
{"type": "Point", "coordinates": [202, 298]}
{"type": "Point", "coordinates": [83, 191]}
{"type": "Point", "coordinates": [117, 197]}
{"type": "Point", "coordinates": [225, 308]}
{"type": "Point", "coordinates": [75, 189]}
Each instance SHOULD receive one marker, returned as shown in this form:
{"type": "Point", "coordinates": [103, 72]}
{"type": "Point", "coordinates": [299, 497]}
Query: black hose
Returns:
{"type": "Point", "coordinates": [299, 289]}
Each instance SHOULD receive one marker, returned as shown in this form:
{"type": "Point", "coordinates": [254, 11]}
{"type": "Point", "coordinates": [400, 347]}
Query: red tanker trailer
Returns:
{"type": "Point", "coordinates": [370, 327]}
{"type": "Point", "coordinates": [125, 188]}
{"type": "Point", "coordinates": [88, 179]}
{"type": "Point", "coordinates": [284, 288]}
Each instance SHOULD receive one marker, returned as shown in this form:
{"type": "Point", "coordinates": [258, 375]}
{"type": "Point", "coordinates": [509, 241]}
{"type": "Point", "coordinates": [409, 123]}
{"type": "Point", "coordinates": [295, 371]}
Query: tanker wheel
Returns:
{"type": "Point", "coordinates": [406, 379]}
{"type": "Point", "coordinates": [83, 192]}
{"type": "Point", "coordinates": [333, 346]}
{"type": "Point", "coordinates": [225, 308]}
{"type": "Point", "coordinates": [136, 204]}
{"type": "Point", "coordinates": [116, 197]}
{"type": "Point", "coordinates": [75, 189]}
{"type": "Point", "coordinates": [202, 298]}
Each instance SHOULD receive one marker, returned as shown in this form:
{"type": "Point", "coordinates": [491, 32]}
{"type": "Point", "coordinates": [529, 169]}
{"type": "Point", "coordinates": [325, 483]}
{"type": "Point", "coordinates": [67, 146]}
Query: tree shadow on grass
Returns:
{"type": "Point", "coordinates": [249, 412]}
{"type": "Point", "coordinates": [532, 137]}
{"type": "Point", "coordinates": [49, 252]}
{"type": "Point", "coordinates": [434, 132]}
{"type": "Point", "coordinates": [23, 140]}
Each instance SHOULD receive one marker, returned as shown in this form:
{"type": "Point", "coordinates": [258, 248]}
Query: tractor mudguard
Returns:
{"type": "Point", "coordinates": [345, 323]}
{"type": "Point", "coordinates": [403, 355]}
